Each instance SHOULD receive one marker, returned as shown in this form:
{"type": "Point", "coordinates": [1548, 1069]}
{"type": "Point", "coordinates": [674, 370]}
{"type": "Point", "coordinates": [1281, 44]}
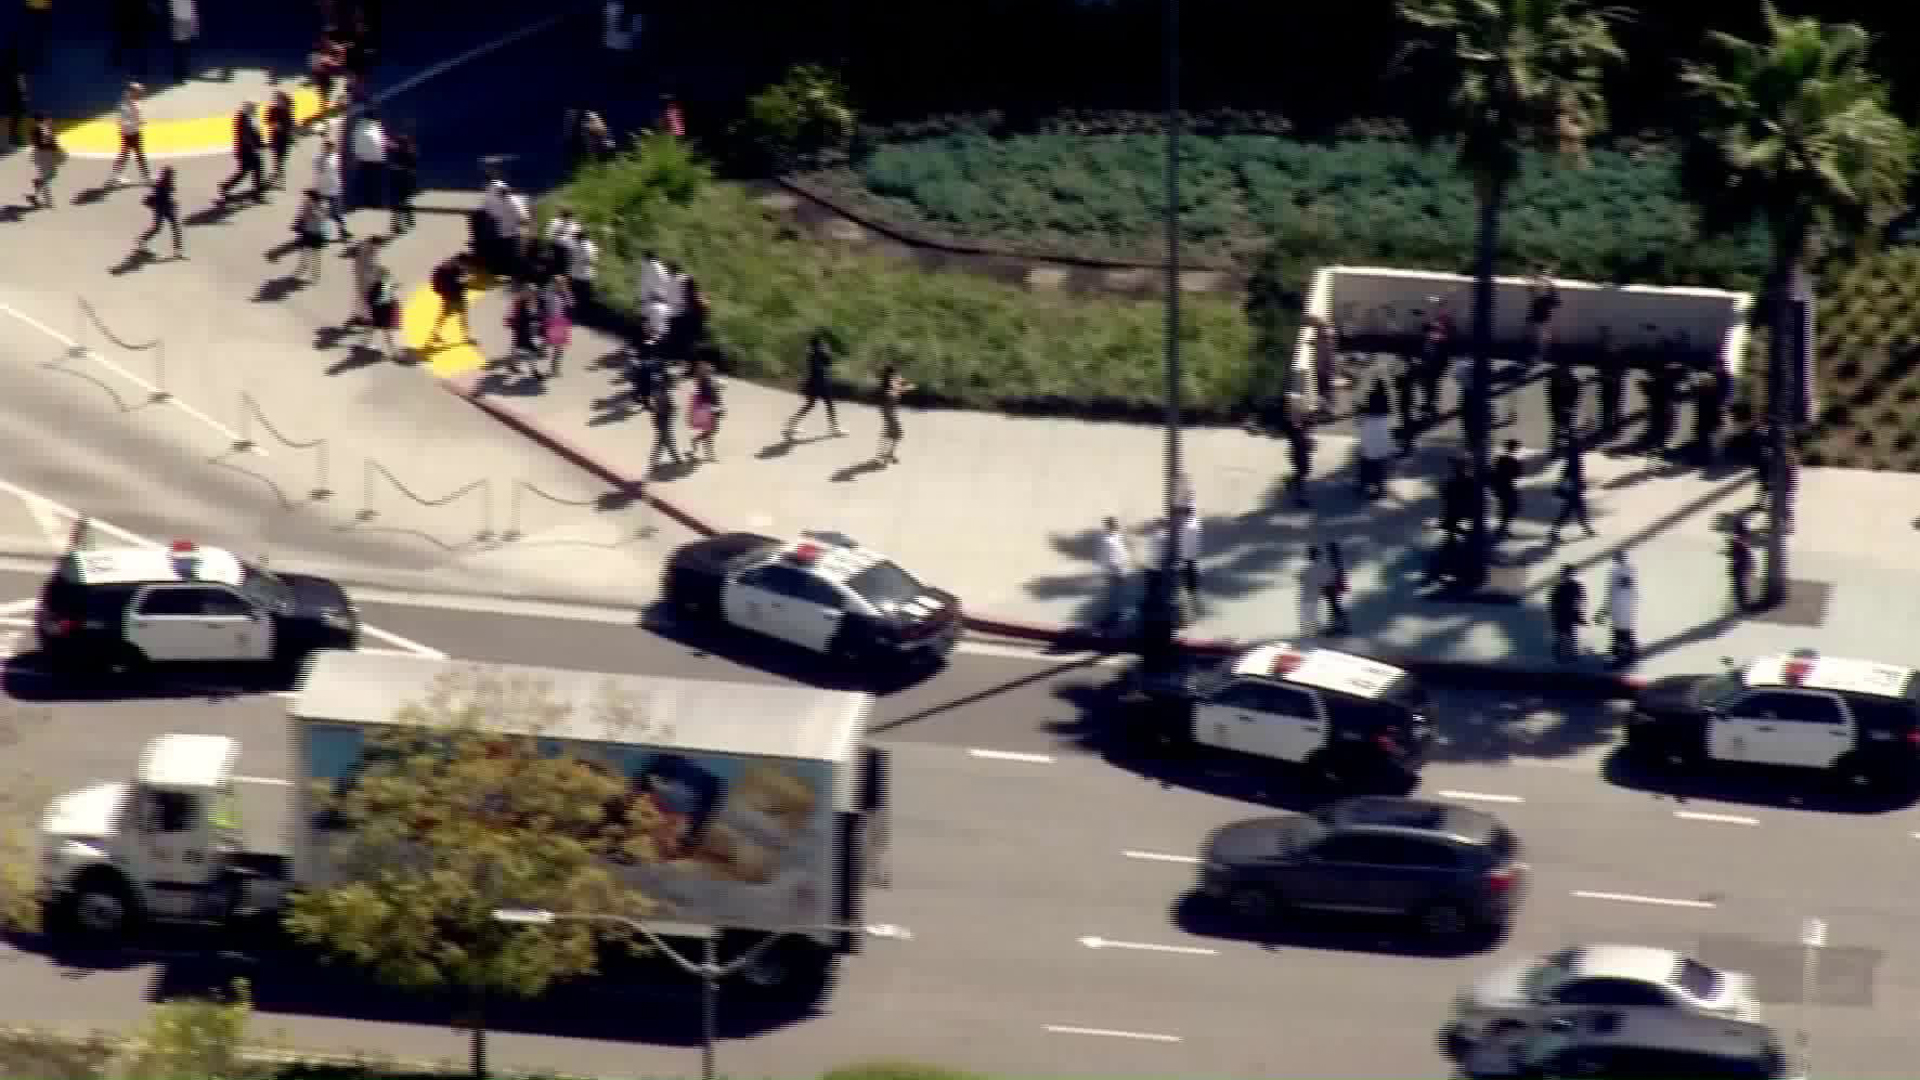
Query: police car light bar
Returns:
{"type": "Point", "coordinates": [183, 547]}
{"type": "Point", "coordinates": [805, 554]}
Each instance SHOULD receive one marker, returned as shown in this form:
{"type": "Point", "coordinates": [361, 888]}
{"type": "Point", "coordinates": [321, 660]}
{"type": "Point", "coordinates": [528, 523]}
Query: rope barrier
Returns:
{"type": "Point", "coordinates": [374, 470]}
{"type": "Point", "coordinates": [516, 505]}
{"type": "Point", "coordinates": [251, 412]}
{"type": "Point", "coordinates": [87, 317]}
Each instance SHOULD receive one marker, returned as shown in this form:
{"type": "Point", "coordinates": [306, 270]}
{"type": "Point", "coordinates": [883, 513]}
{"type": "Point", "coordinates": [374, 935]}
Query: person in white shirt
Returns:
{"type": "Point", "coordinates": [1623, 607]}
{"type": "Point", "coordinates": [1116, 564]}
{"type": "Point", "coordinates": [328, 182]}
{"type": "Point", "coordinates": [585, 264]}
{"type": "Point", "coordinates": [1376, 443]}
{"type": "Point", "coordinates": [653, 278]}
{"type": "Point", "coordinates": [676, 287]}
{"type": "Point", "coordinates": [133, 139]}
{"type": "Point", "coordinates": [185, 28]}
{"type": "Point", "coordinates": [370, 163]}
{"type": "Point", "coordinates": [561, 235]}
{"type": "Point", "coordinates": [1186, 549]}
{"type": "Point", "coordinates": [508, 211]}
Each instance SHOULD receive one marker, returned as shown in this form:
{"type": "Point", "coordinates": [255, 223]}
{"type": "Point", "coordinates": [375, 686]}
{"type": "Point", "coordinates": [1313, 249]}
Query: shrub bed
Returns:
{"type": "Point", "coordinates": [967, 341]}
{"type": "Point", "coordinates": [1097, 191]}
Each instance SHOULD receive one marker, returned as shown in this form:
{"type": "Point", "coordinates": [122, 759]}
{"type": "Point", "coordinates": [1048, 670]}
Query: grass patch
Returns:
{"type": "Point", "coordinates": [966, 341]}
{"type": "Point", "coordinates": [1064, 190]}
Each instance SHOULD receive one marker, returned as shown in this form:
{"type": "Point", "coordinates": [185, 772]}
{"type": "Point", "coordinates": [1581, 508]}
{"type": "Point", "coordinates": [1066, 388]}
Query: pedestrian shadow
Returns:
{"type": "Point", "coordinates": [13, 212]}
{"type": "Point", "coordinates": [90, 196]}
{"type": "Point", "coordinates": [274, 290]}
{"type": "Point", "coordinates": [330, 337]}
{"type": "Point", "coordinates": [214, 214]}
{"type": "Point", "coordinates": [359, 355]}
{"type": "Point", "coordinates": [613, 409]}
{"type": "Point", "coordinates": [501, 381]}
{"type": "Point", "coordinates": [783, 446]}
{"type": "Point", "coordinates": [281, 250]}
{"type": "Point", "coordinates": [132, 262]}
{"type": "Point", "coordinates": [672, 470]}
{"type": "Point", "coordinates": [854, 472]}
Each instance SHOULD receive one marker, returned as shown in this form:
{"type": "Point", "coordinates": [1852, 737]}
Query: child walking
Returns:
{"type": "Point", "coordinates": [892, 386]}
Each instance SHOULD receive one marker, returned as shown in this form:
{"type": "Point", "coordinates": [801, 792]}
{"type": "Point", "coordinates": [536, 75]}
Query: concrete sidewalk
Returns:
{"type": "Point", "coordinates": [1004, 511]}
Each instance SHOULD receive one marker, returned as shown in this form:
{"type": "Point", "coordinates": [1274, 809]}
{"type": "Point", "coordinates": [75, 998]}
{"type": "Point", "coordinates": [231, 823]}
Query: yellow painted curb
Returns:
{"type": "Point", "coordinates": [100, 136]}
{"type": "Point", "coordinates": [419, 312]}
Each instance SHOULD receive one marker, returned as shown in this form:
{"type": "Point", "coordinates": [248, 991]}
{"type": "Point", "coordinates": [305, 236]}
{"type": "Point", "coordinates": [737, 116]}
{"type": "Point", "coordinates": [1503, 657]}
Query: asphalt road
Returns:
{"type": "Point", "coordinates": [1005, 861]}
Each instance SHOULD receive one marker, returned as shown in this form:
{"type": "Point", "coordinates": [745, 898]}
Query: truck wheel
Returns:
{"type": "Point", "coordinates": [100, 909]}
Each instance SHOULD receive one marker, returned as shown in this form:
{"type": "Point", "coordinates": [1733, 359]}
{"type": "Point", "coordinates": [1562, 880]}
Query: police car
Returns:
{"type": "Point", "coordinates": [1347, 718]}
{"type": "Point", "coordinates": [1858, 718]}
{"type": "Point", "coordinates": [119, 609]}
{"type": "Point", "coordinates": [823, 592]}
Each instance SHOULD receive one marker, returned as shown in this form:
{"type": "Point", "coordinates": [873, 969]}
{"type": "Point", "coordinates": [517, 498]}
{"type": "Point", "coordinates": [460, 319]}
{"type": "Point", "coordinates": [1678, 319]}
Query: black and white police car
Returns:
{"type": "Point", "coordinates": [824, 593]}
{"type": "Point", "coordinates": [1346, 718]}
{"type": "Point", "coordinates": [120, 609]}
{"type": "Point", "coordinates": [1857, 718]}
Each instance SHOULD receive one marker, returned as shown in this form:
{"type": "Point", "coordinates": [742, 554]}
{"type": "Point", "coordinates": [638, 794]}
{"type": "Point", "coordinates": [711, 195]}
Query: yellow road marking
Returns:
{"type": "Point", "coordinates": [418, 314]}
{"type": "Point", "coordinates": [100, 136]}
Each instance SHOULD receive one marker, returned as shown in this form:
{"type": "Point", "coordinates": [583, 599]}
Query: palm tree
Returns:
{"type": "Point", "coordinates": [1795, 132]}
{"type": "Point", "coordinates": [1523, 73]}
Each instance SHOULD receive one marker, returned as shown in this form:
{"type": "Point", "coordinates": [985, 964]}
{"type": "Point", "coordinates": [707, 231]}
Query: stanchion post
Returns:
{"type": "Point", "coordinates": [245, 442]}
{"type": "Point", "coordinates": [160, 372]}
{"type": "Point", "coordinates": [514, 508]}
{"type": "Point", "coordinates": [367, 512]}
{"type": "Point", "coordinates": [78, 350]}
{"type": "Point", "coordinates": [321, 489]}
{"type": "Point", "coordinates": [486, 532]}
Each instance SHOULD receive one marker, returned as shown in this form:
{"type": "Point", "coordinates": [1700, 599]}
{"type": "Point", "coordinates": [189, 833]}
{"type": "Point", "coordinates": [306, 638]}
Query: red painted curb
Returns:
{"type": "Point", "coordinates": [464, 389]}
{"type": "Point", "coordinates": [1583, 683]}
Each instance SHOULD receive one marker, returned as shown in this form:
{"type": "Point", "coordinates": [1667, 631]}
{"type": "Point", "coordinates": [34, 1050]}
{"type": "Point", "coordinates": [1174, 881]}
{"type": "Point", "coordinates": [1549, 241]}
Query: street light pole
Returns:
{"type": "Point", "coordinates": [1160, 619]}
{"type": "Point", "coordinates": [710, 972]}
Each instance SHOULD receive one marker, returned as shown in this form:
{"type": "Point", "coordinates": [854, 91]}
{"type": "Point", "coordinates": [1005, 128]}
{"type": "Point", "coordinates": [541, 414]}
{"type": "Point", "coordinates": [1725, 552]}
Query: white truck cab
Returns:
{"type": "Point", "coordinates": [167, 847]}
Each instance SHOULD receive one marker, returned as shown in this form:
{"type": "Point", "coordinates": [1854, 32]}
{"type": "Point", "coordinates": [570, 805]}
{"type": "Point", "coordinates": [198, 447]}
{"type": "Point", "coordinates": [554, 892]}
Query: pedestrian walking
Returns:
{"type": "Point", "coordinates": [280, 131]}
{"type": "Point", "coordinates": [524, 318]}
{"type": "Point", "coordinates": [328, 182]}
{"type": "Point", "coordinates": [47, 159]}
{"type": "Point", "coordinates": [1611, 375]}
{"type": "Point", "coordinates": [816, 386]}
{"type": "Point", "coordinates": [892, 387]}
{"type": "Point", "coordinates": [183, 30]}
{"type": "Point", "coordinates": [366, 264]}
{"type": "Point", "coordinates": [1116, 568]}
{"type": "Point", "coordinates": [1504, 478]}
{"type": "Point", "coordinates": [403, 180]}
{"type": "Point", "coordinates": [383, 311]}
{"type": "Point", "coordinates": [450, 285]}
{"type": "Point", "coordinates": [162, 199]}
{"type": "Point", "coordinates": [688, 330]}
{"type": "Point", "coordinates": [705, 408]}
{"type": "Point", "coordinates": [1376, 444]}
{"type": "Point", "coordinates": [556, 327]}
{"type": "Point", "coordinates": [1623, 604]}
{"type": "Point", "coordinates": [1740, 567]}
{"type": "Point", "coordinates": [370, 163]}
{"type": "Point", "coordinates": [1572, 491]}
{"type": "Point", "coordinates": [664, 442]}
{"type": "Point", "coordinates": [310, 227]}
{"type": "Point", "coordinates": [1406, 393]}
{"type": "Point", "coordinates": [509, 218]}
{"type": "Point", "coordinates": [1567, 611]}
{"type": "Point", "coordinates": [1659, 387]}
{"type": "Point", "coordinates": [248, 145]}
{"type": "Point", "coordinates": [1300, 454]}
{"type": "Point", "coordinates": [1457, 496]}
{"type": "Point", "coordinates": [1333, 590]}
{"type": "Point", "coordinates": [15, 98]}
{"type": "Point", "coordinates": [132, 122]}
{"type": "Point", "coordinates": [582, 271]}
{"type": "Point", "coordinates": [648, 374]}
{"type": "Point", "coordinates": [1186, 535]}
{"type": "Point", "coordinates": [1182, 497]}
{"type": "Point", "coordinates": [1563, 395]}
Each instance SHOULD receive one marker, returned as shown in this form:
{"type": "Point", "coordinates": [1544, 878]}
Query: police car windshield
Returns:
{"type": "Point", "coordinates": [1715, 689]}
{"type": "Point", "coordinates": [884, 583]}
{"type": "Point", "coordinates": [264, 588]}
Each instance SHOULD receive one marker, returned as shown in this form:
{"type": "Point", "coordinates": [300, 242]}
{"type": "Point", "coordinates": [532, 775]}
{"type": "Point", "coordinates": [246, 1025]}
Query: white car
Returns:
{"type": "Point", "coordinates": [1632, 976]}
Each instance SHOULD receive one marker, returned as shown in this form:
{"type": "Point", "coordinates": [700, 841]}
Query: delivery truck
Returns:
{"type": "Point", "coordinates": [771, 810]}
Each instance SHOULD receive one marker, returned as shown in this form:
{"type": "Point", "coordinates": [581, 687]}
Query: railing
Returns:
{"type": "Point", "coordinates": [374, 472]}
{"type": "Point", "coordinates": [251, 414]}
{"type": "Point", "coordinates": [87, 325]}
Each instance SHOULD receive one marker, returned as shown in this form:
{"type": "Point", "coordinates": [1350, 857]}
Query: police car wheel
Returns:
{"type": "Point", "coordinates": [1251, 904]}
{"type": "Point", "coordinates": [127, 661]}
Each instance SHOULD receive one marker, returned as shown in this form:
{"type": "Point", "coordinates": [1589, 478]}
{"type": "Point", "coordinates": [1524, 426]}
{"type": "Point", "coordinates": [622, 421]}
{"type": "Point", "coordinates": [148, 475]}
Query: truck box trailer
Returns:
{"type": "Point", "coordinates": [772, 808]}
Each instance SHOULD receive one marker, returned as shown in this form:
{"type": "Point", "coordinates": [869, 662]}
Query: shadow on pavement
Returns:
{"type": "Point", "coordinates": [777, 658]}
{"type": "Point", "coordinates": [1754, 785]}
{"type": "Point", "coordinates": [28, 678]}
{"type": "Point", "coordinates": [1326, 932]}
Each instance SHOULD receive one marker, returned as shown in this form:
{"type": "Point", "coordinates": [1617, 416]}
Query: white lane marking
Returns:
{"type": "Point", "coordinates": [1656, 901]}
{"type": "Point", "coordinates": [1010, 755]}
{"type": "Point", "coordinates": [49, 521]}
{"type": "Point", "coordinates": [1720, 819]}
{"type": "Point", "coordinates": [232, 437]}
{"type": "Point", "coordinates": [1094, 942]}
{"type": "Point", "coordinates": [9, 643]}
{"type": "Point", "coordinates": [402, 646]}
{"type": "Point", "coordinates": [1480, 796]}
{"type": "Point", "coordinates": [1039, 655]}
{"type": "Point", "coordinates": [889, 931]}
{"type": "Point", "coordinates": [1112, 1033]}
{"type": "Point", "coordinates": [1158, 856]}
{"type": "Point", "coordinates": [17, 624]}
{"type": "Point", "coordinates": [269, 781]}
{"type": "Point", "coordinates": [23, 607]}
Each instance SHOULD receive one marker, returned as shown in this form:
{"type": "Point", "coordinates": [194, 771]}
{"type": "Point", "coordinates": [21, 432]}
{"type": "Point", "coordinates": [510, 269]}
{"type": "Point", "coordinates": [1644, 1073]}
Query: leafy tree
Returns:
{"type": "Point", "coordinates": [194, 1039]}
{"type": "Point", "coordinates": [1522, 72]}
{"type": "Point", "coordinates": [462, 809]}
{"type": "Point", "coordinates": [1795, 132]}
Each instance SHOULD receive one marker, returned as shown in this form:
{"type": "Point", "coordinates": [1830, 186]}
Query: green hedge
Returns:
{"type": "Point", "coordinates": [965, 340]}
{"type": "Point", "coordinates": [1083, 191]}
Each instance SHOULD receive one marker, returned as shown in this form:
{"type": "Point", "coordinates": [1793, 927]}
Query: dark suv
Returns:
{"type": "Point", "coordinates": [1451, 869]}
{"type": "Point", "coordinates": [1633, 1044]}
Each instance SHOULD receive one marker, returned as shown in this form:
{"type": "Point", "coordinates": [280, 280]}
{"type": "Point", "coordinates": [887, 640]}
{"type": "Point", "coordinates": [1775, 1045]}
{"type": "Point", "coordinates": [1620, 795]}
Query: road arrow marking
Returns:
{"type": "Point", "coordinates": [1092, 942]}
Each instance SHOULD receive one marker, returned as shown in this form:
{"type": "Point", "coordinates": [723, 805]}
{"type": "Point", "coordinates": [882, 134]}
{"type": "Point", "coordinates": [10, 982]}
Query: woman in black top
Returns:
{"type": "Point", "coordinates": [403, 174]}
{"type": "Point", "coordinates": [891, 387]}
{"type": "Point", "coordinates": [280, 135]}
{"type": "Point", "coordinates": [162, 200]}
